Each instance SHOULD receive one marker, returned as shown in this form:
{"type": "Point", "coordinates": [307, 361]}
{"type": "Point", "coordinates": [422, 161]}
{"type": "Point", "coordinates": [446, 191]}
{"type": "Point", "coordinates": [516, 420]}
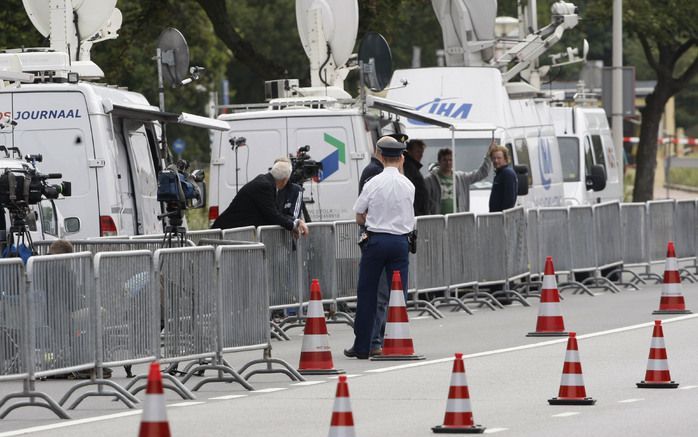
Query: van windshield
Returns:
{"type": "Point", "coordinates": [469, 156]}
{"type": "Point", "coordinates": [569, 155]}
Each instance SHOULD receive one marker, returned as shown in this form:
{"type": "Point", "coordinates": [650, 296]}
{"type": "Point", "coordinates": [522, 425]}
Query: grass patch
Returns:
{"type": "Point", "coordinates": [684, 176]}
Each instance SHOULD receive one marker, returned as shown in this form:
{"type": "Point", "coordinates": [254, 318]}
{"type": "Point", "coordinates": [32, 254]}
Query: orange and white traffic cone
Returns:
{"type": "Point", "coordinates": [550, 322]}
{"type": "Point", "coordinates": [154, 419]}
{"type": "Point", "coordinates": [316, 355]}
{"type": "Point", "coordinates": [459, 414]}
{"type": "Point", "coordinates": [342, 424]}
{"type": "Point", "coordinates": [397, 343]}
{"type": "Point", "coordinates": [572, 391]}
{"type": "Point", "coordinates": [657, 374]}
{"type": "Point", "coordinates": [671, 301]}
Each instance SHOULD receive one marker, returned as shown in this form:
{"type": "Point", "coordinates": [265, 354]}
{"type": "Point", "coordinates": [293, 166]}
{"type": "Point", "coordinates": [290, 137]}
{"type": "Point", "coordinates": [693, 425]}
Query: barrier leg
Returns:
{"type": "Point", "coordinates": [30, 393]}
{"type": "Point", "coordinates": [278, 332]}
{"type": "Point", "coordinates": [269, 361]}
{"type": "Point", "coordinates": [424, 306]}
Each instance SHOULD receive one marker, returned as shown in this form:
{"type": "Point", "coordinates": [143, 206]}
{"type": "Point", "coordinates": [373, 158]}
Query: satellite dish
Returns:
{"type": "Point", "coordinates": [375, 52]}
{"type": "Point", "coordinates": [340, 23]}
{"type": "Point", "coordinates": [92, 14]}
{"type": "Point", "coordinates": [174, 54]}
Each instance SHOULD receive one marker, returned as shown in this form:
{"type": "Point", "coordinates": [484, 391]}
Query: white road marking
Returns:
{"type": "Point", "coordinates": [494, 430]}
{"type": "Point", "coordinates": [67, 423]}
{"type": "Point", "coordinates": [304, 383]}
{"type": "Point", "coordinates": [688, 387]}
{"type": "Point", "coordinates": [270, 390]}
{"type": "Point", "coordinates": [631, 400]}
{"type": "Point", "coordinates": [421, 318]}
{"type": "Point", "coordinates": [532, 345]}
{"type": "Point", "coordinates": [222, 398]}
{"type": "Point", "coordinates": [566, 414]}
{"type": "Point", "coordinates": [347, 375]}
{"type": "Point", "coordinates": [186, 404]}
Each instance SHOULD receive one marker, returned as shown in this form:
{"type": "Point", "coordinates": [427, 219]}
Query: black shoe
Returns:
{"type": "Point", "coordinates": [351, 353]}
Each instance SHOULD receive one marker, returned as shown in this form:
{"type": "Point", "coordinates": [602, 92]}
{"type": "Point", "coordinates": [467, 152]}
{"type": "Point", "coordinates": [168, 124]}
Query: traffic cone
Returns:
{"type": "Point", "coordinates": [550, 322]}
{"type": "Point", "coordinates": [316, 355]}
{"type": "Point", "coordinates": [671, 301]}
{"type": "Point", "coordinates": [154, 419]}
{"type": "Point", "coordinates": [459, 415]}
{"type": "Point", "coordinates": [657, 374]}
{"type": "Point", "coordinates": [572, 391]}
{"type": "Point", "coordinates": [397, 343]}
{"type": "Point", "coordinates": [342, 424]}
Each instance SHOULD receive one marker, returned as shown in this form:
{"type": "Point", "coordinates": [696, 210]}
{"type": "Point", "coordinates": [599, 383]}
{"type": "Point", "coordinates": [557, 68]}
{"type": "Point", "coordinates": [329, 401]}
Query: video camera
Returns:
{"type": "Point", "coordinates": [176, 186]}
{"type": "Point", "coordinates": [303, 167]}
{"type": "Point", "coordinates": [25, 185]}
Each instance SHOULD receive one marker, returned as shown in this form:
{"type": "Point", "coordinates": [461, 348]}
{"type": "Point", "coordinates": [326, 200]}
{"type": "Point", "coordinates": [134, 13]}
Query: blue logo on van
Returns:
{"type": "Point", "coordinates": [443, 108]}
{"type": "Point", "coordinates": [545, 162]}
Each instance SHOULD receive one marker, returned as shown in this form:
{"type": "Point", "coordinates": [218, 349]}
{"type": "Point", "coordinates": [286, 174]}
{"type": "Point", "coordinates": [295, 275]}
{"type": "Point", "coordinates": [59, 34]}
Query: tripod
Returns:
{"type": "Point", "coordinates": [172, 221]}
{"type": "Point", "coordinates": [19, 234]}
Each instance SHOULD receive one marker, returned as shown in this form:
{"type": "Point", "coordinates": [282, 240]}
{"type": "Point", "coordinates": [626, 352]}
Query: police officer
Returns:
{"type": "Point", "coordinates": [385, 208]}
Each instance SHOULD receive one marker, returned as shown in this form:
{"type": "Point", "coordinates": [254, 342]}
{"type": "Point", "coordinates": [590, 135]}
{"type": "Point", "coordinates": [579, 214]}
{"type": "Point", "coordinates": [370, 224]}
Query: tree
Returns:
{"type": "Point", "coordinates": [668, 34]}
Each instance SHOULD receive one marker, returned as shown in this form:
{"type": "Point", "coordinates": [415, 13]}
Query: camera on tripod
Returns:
{"type": "Point", "coordinates": [176, 186]}
{"type": "Point", "coordinates": [304, 168]}
{"type": "Point", "coordinates": [21, 186]}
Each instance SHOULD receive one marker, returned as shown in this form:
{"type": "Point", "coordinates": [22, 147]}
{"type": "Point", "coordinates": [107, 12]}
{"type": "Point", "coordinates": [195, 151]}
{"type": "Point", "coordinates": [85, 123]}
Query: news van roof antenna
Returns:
{"type": "Point", "coordinates": [74, 26]}
{"type": "Point", "coordinates": [173, 56]}
{"type": "Point", "coordinates": [328, 29]}
{"type": "Point", "coordinates": [377, 60]}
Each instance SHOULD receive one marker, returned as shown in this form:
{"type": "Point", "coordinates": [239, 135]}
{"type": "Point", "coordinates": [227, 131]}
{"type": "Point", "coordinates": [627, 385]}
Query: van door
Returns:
{"type": "Point", "coordinates": [331, 141]}
{"type": "Point", "coordinates": [142, 154]}
{"type": "Point", "coordinates": [265, 140]}
{"type": "Point", "coordinates": [57, 125]}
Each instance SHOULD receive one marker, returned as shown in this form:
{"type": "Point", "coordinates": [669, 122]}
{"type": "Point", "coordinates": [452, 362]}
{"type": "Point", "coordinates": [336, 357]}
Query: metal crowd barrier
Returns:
{"type": "Point", "coordinates": [242, 325]}
{"type": "Point", "coordinates": [17, 341]}
{"type": "Point", "coordinates": [517, 243]}
{"type": "Point", "coordinates": [284, 266]}
{"type": "Point", "coordinates": [427, 270]}
{"type": "Point", "coordinates": [660, 218]}
{"type": "Point", "coordinates": [245, 233]}
{"type": "Point", "coordinates": [209, 234]}
{"type": "Point", "coordinates": [685, 234]}
{"type": "Point", "coordinates": [318, 254]}
{"type": "Point", "coordinates": [186, 280]}
{"type": "Point", "coordinates": [348, 257]}
{"type": "Point", "coordinates": [461, 248]}
{"type": "Point", "coordinates": [126, 309]}
{"type": "Point", "coordinates": [105, 245]}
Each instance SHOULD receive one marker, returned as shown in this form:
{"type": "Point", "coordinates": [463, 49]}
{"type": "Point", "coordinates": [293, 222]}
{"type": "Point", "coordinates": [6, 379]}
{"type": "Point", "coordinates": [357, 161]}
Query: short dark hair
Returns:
{"type": "Point", "coordinates": [415, 143]}
{"type": "Point", "coordinates": [60, 246]}
{"type": "Point", "coordinates": [443, 152]}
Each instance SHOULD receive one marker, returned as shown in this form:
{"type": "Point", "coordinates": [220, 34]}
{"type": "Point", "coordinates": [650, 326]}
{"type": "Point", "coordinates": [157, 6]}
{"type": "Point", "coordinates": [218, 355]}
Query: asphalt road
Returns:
{"type": "Point", "coordinates": [510, 377]}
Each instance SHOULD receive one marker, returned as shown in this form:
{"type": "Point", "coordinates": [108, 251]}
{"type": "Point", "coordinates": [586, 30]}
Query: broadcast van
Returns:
{"type": "Point", "coordinates": [104, 139]}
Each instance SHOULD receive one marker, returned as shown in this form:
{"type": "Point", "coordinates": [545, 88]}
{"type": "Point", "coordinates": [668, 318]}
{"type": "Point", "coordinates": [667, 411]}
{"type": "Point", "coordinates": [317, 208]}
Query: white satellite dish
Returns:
{"type": "Point", "coordinates": [340, 24]}
{"type": "Point", "coordinates": [93, 15]}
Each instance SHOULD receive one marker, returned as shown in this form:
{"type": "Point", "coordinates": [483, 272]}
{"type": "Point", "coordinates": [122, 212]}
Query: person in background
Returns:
{"type": "Point", "coordinates": [505, 185]}
{"type": "Point", "coordinates": [385, 208]}
{"type": "Point", "coordinates": [441, 179]}
{"type": "Point", "coordinates": [413, 163]}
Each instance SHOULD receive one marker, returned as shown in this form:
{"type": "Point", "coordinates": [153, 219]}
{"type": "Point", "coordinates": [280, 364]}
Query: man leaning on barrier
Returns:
{"type": "Point", "coordinates": [255, 204]}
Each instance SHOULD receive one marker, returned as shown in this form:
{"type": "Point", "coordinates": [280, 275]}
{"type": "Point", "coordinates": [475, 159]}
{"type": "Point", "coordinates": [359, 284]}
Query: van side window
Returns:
{"type": "Point", "coordinates": [599, 157]}
{"type": "Point", "coordinates": [569, 155]}
{"type": "Point", "coordinates": [49, 219]}
{"type": "Point", "coordinates": [588, 156]}
{"type": "Point", "coordinates": [522, 158]}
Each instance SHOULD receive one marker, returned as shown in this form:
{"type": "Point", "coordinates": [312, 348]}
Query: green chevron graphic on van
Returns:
{"type": "Point", "coordinates": [340, 146]}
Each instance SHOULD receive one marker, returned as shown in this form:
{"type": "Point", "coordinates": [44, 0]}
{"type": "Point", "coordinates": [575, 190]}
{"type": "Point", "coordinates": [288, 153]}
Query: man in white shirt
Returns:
{"type": "Point", "coordinates": [385, 208]}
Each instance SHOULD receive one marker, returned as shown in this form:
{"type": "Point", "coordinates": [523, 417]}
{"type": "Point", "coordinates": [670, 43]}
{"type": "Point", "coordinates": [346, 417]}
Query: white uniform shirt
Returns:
{"type": "Point", "coordinates": [388, 199]}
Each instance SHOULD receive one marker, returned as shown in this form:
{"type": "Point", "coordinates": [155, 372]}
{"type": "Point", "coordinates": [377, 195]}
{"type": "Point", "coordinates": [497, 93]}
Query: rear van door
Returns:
{"type": "Point", "coordinates": [57, 125]}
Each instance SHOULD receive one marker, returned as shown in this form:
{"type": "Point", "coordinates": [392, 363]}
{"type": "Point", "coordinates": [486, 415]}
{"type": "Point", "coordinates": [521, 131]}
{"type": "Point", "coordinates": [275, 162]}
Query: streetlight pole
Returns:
{"type": "Point", "coordinates": [617, 86]}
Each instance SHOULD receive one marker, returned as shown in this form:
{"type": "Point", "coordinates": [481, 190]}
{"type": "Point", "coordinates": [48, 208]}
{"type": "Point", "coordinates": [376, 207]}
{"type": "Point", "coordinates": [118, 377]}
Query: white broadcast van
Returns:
{"type": "Point", "coordinates": [523, 124]}
{"type": "Point", "coordinates": [588, 155]}
{"type": "Point", "coordinates": [104, 139]}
